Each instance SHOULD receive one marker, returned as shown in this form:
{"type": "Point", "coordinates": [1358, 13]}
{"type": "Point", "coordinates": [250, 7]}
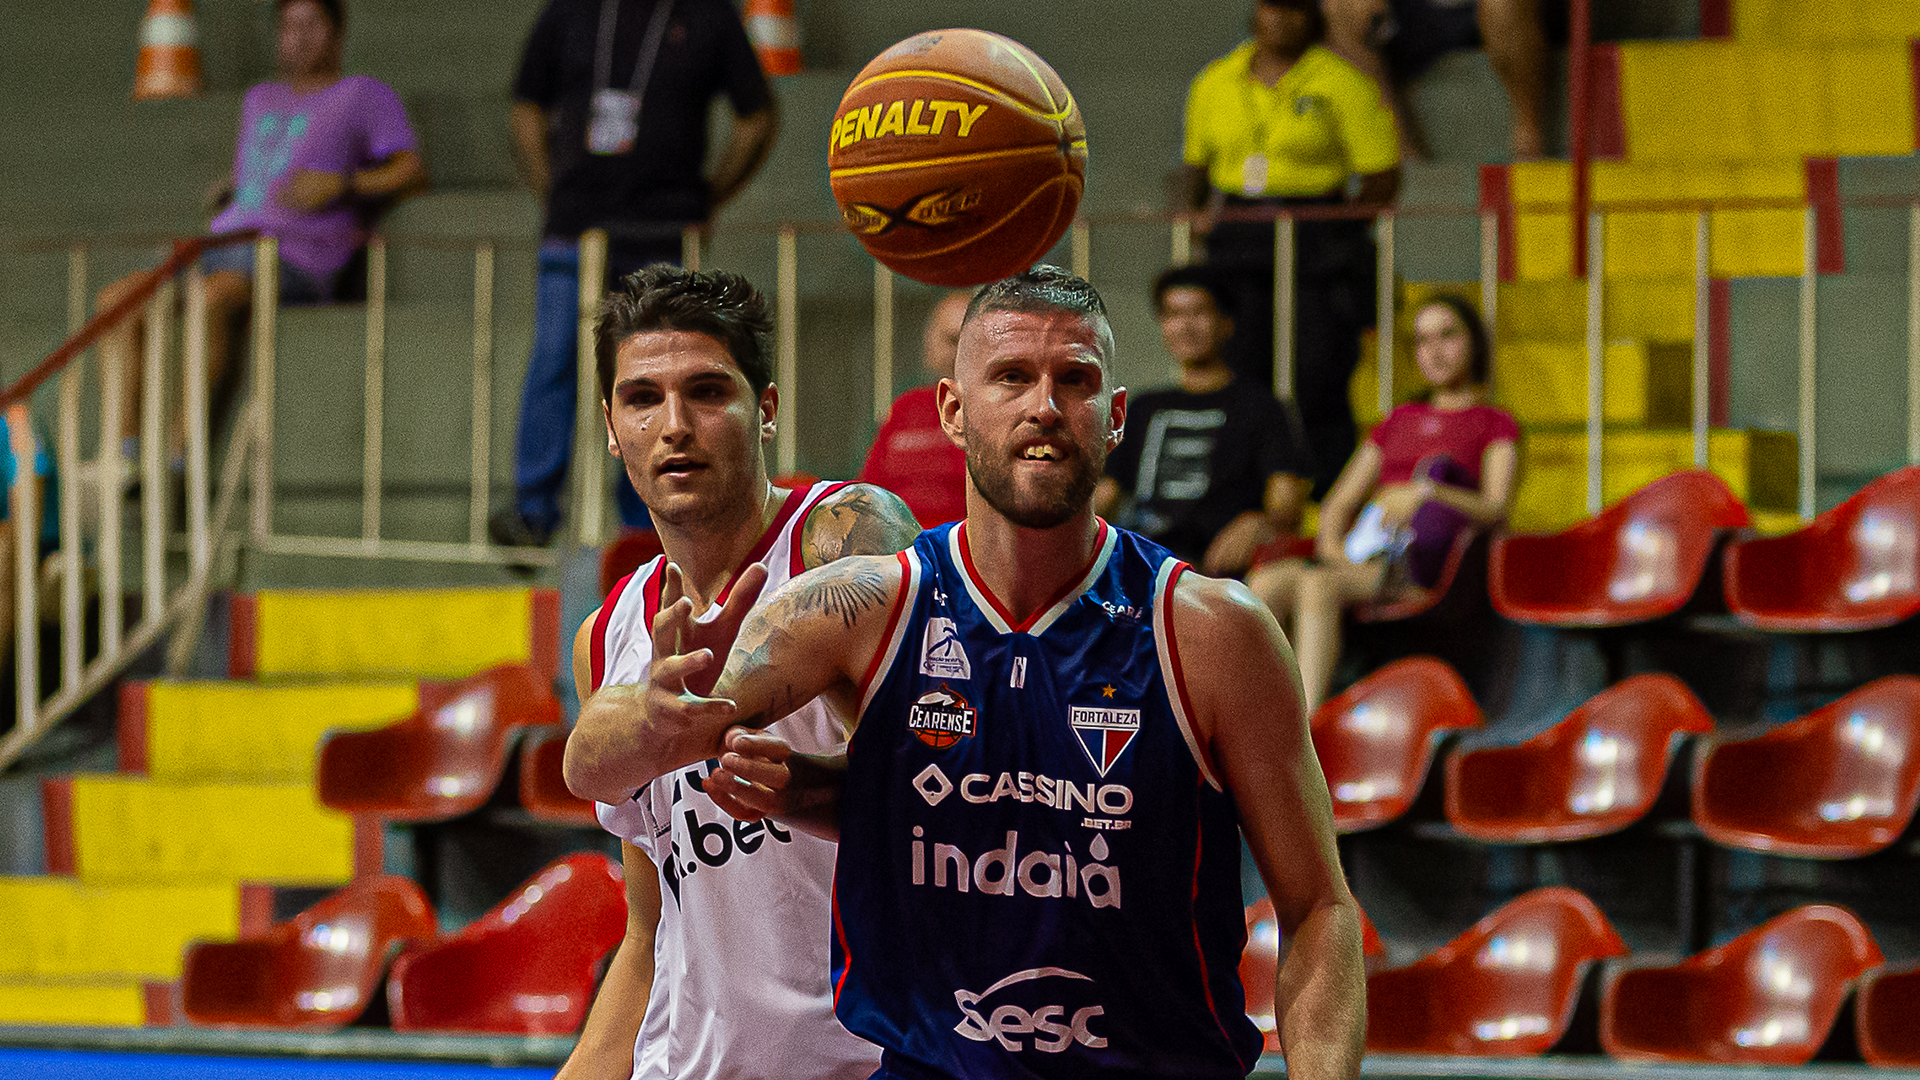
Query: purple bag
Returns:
{"type": "Point", "coordinates": [1435, 525]}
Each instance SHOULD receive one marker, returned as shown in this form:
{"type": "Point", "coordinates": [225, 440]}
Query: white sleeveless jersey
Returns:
{"type": "Point", "coordinates": [741, 986]}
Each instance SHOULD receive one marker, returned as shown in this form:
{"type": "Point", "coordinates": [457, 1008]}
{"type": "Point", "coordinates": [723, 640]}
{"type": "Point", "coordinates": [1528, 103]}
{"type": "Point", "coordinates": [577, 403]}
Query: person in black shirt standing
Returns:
{"type": "Point", "coordinates": [1215, 466]}
{"type": "Point", "coordinates": [609, 127]}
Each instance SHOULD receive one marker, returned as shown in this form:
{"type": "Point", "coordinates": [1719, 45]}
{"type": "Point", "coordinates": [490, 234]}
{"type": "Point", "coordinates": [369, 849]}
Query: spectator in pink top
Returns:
{"type": "Point", "coordinates": [911, 455]}
{"type": "Point", "coordinates": [1433, 468]}
{"type": "Point", "coordinates": [319, 156]}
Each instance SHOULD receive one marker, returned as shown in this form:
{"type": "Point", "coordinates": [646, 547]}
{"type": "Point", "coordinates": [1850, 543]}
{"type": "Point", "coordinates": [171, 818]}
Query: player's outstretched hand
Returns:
{"type": "Point", "coordinates": [751, 782]}
{"type": "Point", "coordinates": [699, 646]}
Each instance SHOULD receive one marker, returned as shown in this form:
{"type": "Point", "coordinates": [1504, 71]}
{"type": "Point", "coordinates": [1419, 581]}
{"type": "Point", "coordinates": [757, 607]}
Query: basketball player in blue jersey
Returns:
{"type": "Point", "coordinates": [686, 384]}
{"type": "Point", "coordinates": [1062, 732]}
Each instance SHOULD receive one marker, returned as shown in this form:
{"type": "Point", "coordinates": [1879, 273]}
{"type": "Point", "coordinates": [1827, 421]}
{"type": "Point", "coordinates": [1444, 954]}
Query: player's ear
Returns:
{"type": "Point", "coordinates": [769, 413]}
{"type": "Point", "coordinates": [946, 402]}
{"type": "Point", "coordinates": [606, 415]}
{"type": "Point", "coordinates": [1117, 417]}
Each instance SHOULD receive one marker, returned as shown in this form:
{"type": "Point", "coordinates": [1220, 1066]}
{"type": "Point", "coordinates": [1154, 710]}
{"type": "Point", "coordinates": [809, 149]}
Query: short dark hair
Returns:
{"type": "Point", "coordinates": [1480, 343]}
{"type": "Point", "coordinates": [336, 12]}
{"type": "Point", "coordinates": [1042, 289]}
{"type": "Point", "coordinates": [1317, 29]}
{"type": "Point", "coordinates": [1191, 276]}
{"type": "Point", "coordinates": [718, 303]}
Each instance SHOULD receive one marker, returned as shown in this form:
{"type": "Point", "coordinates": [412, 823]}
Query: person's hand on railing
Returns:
{"type": "Point", "coordinates": [312, 189]}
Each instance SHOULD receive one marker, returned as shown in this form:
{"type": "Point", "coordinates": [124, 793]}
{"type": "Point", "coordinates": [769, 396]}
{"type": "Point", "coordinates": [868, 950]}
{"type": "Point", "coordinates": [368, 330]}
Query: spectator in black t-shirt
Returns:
{"type": "Point", "coordinates": [1215, 466]}
{"type": "Point", "coordinates": [610, 128]}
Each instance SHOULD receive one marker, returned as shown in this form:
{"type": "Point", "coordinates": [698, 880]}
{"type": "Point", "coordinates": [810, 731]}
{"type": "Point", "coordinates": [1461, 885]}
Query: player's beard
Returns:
{"type": "Point", "coordinates": [1046, 504]}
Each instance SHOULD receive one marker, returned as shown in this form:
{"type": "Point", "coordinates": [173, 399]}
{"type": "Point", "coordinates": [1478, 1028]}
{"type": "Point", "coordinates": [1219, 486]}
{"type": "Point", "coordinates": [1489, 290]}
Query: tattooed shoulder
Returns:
{"type": "Point", "coordinates": [860, 519]}
{"type": "Point", "coordinates": [845, 589]}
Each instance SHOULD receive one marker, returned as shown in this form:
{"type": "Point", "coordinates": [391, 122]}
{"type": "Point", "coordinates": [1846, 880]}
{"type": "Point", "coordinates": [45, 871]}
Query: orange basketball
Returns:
{"type": "Point", "coordinates": [957, 157]}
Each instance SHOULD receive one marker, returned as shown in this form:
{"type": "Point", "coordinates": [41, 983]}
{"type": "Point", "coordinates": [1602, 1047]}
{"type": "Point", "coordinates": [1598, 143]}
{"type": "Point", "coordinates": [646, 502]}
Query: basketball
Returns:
{"type": "Point", "coordinates": [957, 157]}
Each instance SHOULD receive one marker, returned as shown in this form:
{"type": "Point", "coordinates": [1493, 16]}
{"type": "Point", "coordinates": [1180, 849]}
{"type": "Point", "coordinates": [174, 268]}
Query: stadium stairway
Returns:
{"type": "Point", "coordinates": [213, 808]}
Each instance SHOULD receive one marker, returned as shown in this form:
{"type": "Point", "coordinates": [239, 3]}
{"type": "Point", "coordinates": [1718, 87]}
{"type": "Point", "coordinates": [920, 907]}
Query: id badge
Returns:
{"type": "Point", "coordinates": [1253, 175]}
{"type": "Point", "coordinates": [613, 123]}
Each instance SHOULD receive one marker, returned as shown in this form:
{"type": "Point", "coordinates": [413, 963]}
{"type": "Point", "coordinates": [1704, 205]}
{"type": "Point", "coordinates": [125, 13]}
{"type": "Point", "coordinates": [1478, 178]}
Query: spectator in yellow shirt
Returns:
{"type": "Point", "coordinates": [1284, 121]}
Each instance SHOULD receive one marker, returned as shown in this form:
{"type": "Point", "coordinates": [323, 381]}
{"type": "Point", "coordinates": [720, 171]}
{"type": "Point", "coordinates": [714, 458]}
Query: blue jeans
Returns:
{"type": "Point", "coordinates": [543, 447]}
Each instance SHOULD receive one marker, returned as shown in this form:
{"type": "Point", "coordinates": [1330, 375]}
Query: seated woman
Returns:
{"type": "Point", "coordinates": [1432, 468]}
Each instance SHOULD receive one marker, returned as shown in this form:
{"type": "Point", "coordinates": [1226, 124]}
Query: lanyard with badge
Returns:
{"type": "Point", "coordinates": [1254, 170]}
{"type": "Point", "coordinates": [615, 119]}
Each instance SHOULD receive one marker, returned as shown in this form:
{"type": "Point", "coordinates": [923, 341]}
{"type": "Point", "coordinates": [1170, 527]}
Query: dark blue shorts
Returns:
{"type": "Point", "coordinates": [297, 286]}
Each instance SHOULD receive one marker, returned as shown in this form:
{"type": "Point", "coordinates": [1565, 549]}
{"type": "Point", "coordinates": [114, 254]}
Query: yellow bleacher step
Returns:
{"type": "Point", "coordinates": [73, 1002]}
{"type": "Point", "coordinates": [1641, 244]}
{"type": "Point", "coordinates": [1828, 22]}
{"type": "Point", "coordinates": [443, 633]}
{"type": "Point", "coordinates": [238, 730]}
{"type": "Point", "coordinates": [1555, 309]}
{"type": "Point", "coordinates": [131, 829]}
{"type": "Point", "coordinates": [1646, 384]}
{"type": "Point", "coordinates": [1731, 100]}
{"type": "Point", "coordinates": [60, 928]}
{"type": "Point", "coordinates": [1760, 466]}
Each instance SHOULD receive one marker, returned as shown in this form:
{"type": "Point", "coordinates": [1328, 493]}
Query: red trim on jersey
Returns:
{"type": "Point", "coordinates": [796, 558]}
{"type": "Point", "coordinates": [1173, 657]}
{"type": "Point", "coordinates": [765, 543]}
{"type": "Point", "coordinates": [1199, 951]}
{"type": "Point", "coordinates": [893, 622]}
{"type": "Point", "coordinates": [846, 951]}
{"type": "Point", "coordinates": [656, 587]}
{"type": "Point", "coordinates": [1021, 627]}
{"type": "Point", "coordinates": [598, 657]}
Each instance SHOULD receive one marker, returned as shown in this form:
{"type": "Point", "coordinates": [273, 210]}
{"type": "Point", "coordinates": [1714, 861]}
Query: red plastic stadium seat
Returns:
{"type": "Point", "coordinates": [1595, 772]}
{"type": "Point", "coordinates": [1641, 558]}
{"type": "Point", "coordinates": [1260, 961]}
{"type": "Point", "coordinates": [442, 761]}
{"type": "Point", "coordinates": [1837, 783]}
{"type": "Point", "coordinates": [1768, 997]}
{"type": "Point", "coordinates": [628, 553]}
{"type": "Point", "coordinates": [1856, 567]}
{"type": "Point", "coordinates": [524, 968]}
{"type": "Point", "coordinates": [1887, 1019]}
{"type": "Point", "coordinates": [318, 970]}
{"type": "Point", "coordinates": [543, 790]}
{"type": "Point", "coordinates": [1376, 740]}
{"type": "Point", "coordinates": [1506, 987]}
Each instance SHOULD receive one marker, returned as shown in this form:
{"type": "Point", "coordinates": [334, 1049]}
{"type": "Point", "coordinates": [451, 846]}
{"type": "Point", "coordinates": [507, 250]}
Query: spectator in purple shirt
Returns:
{"type": "Point", "coordinates": [319, 156]}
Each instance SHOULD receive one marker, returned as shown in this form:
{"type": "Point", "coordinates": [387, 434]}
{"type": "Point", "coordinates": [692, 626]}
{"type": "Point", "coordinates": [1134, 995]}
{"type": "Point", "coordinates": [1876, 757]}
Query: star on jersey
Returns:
{"type": "Point", "coordinates": [1104, 732]}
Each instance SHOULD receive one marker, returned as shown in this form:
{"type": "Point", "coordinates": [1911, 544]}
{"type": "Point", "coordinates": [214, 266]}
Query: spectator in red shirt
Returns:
{"type": "Point", "coordinates": [911, 455]}
{"type": "Point", "coordinates": [1432, 468]}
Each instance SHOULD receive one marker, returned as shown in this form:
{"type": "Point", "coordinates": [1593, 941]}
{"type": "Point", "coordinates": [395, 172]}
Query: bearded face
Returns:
{"type": "Point", "coordinates": [1031, 404]}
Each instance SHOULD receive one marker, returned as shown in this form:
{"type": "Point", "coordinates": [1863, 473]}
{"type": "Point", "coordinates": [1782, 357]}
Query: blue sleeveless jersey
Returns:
{"type": "Point", "coordinates": [1037, 877]}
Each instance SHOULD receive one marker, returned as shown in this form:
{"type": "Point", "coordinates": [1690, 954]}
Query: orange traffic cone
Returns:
{"type": "Point", "coordinates": [169, 64]}
{"type": "Point", "coordinates": [776, 37]}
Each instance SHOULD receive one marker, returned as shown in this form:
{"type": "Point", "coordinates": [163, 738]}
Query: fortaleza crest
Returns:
{"type": "Point", "coordinates": [941, 718]}
{"type": "Point", "coordinates": [1105, 733]}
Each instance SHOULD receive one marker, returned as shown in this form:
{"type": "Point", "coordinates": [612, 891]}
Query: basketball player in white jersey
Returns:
{"type": "Point", "coordinates": [723, 971]}
{"type": "Point", "coordinates": [1033, 404]}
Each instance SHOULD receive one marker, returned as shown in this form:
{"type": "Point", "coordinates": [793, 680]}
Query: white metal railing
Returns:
{"type": "Point", "coordinates": [169, 596]}
{"type": "Point", "coordinates": [167, 599]}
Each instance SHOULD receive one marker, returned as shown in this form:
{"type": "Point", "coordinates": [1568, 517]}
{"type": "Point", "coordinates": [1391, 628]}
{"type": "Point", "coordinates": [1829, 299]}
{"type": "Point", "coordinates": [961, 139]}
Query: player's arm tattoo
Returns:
{"type": "Point", "coordinates": [857, 520]}
{"type": "Point", "coordinates": [781, 643]}
{"type": "Point", "coordinates": [846, 597]}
